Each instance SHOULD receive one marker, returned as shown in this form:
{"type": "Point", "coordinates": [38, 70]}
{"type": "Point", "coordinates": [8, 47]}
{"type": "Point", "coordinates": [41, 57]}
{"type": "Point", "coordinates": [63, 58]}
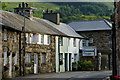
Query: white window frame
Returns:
{"type": "Point", "coordinates": [48, 39]}
{"type": "Point", "coordinates": [61, 41]}
{"type": "Point", "coordinates": [27, 57]}
{"type": "Point", "coordinates": [42, 39]}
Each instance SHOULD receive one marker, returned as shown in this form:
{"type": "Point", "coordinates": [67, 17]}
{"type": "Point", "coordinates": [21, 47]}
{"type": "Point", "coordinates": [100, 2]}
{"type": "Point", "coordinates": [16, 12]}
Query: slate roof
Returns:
{"type": "Point", "coordinates": [16, 21]}
{"type": "Point", "coordinates": [91, 25]}
{"type": "Point", "coordinates": [36, 25]}
{"type": "Point", "coordinates": [64, 28]}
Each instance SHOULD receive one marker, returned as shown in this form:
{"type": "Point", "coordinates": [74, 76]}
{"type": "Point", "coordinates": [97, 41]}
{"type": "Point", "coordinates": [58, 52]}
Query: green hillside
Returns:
{"type": "Point", "coordinates": [70, 11]}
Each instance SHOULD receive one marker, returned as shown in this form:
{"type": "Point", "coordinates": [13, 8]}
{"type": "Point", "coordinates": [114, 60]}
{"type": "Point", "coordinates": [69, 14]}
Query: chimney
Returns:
{"type": "Point", "coordinates": [53, 17]}
{"type": "Point", "coordinates": [24, 10]}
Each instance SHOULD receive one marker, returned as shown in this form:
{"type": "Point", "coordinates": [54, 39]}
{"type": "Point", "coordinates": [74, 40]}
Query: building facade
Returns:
{"type": "Point", "coordinates": [32, 45]}
{"type": "Point", "coordinates": [99, 34]}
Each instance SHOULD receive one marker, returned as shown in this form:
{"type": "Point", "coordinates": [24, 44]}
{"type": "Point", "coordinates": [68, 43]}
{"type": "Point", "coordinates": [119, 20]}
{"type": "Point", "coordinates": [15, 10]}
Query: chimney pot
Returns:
{"type": "Point", "coordinates": [26, 4]}
{"type": "Point", "coordinates": [47, 10]}
{"type": "Point", "coordinates": [19, 5]}
{"type": "Point", "coordinates": [23, 5]}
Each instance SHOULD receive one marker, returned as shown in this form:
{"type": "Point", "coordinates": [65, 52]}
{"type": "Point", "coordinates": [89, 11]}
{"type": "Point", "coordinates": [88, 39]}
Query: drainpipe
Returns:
{"type": "Point", "coordinates": [24, 43]}
{"type": "Point", "coordinates": [59, 51]}
{"type": "Point", "coordinates": [20, 53]}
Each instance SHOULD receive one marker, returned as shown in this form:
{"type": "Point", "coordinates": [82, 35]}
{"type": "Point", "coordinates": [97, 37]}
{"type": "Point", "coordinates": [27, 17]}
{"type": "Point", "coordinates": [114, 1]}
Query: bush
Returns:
{"type": "Point", "coordinates": [85, 65]}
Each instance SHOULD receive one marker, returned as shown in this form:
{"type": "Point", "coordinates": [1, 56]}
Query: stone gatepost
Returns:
{"type": "Point", "coordinates": [99, 61]}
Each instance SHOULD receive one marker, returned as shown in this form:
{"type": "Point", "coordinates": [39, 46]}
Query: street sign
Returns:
{"type": "Point", "coordinates": [89, 51]}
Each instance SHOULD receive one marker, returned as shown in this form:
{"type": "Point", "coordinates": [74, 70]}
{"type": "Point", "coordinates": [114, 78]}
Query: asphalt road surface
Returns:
{"type": "Point", "coordinates": [78, 75]}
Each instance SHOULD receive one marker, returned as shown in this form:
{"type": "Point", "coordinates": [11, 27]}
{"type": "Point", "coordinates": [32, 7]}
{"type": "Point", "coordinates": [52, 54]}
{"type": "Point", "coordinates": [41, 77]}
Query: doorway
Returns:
{"type": "Point", "coordinates": [66, 62]}
{"type": "Point", "coordinates": [35, 63]}
{"type": "Point", "coordinates": [70, 68]}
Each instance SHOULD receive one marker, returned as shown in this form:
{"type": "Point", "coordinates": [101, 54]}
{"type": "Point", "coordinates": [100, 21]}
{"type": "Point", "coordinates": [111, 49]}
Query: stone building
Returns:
{"type": "Point", "coordinates": [98, 33]}
{"type": "Point", "coordinates": [39, 50]}
{"type": "Point", "coordinates": [35, 51]}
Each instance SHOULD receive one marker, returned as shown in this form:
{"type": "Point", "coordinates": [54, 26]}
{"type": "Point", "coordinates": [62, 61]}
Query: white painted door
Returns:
{"type": "Point", "coordinates": [35, 63]}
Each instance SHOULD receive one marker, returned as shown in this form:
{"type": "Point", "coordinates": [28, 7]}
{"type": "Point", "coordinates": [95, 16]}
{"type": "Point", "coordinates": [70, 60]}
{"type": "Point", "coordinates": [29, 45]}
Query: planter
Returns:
{"type": "Point", "coordinates": [6, 67]}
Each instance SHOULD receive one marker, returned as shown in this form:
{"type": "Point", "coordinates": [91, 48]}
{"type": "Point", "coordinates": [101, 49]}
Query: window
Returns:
{"type": "Point", "coordinates": [85, 43]}
{"type": "Point", "coordinates": [27, 57]}
{"type": "Point", "coordinates": [48, 39]}
{"type": "Point", "coordinates": [61, 41]}
{"type": "Point", "coordinates": [35, 38]}
{"type": "Point", "coordinates": [15, 37]}
{"type": "Point", "coordinates": [42, 39]}
{"type": "Point", "coordinates": [43, 58]}
{"type": "Point", "coordinates": [5, 34]}
{"type": "Point", "coordinates": [29, 37]}
{"type": "Point", "coordinates": [74, 42]}
{"type": "Point", "coordinates": [91, 40]}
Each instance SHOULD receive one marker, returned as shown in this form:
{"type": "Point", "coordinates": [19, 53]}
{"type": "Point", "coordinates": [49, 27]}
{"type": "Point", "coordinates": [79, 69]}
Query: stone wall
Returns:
{"type": "Point", "coordinates": [103, 41]}
{"type": "Point", "coordinates": [12, 49]}
{"type": "Point", "coordinates": [47, 67]}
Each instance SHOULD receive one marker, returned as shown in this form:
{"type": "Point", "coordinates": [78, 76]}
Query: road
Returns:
{"type": "Point", "coordinates": [78, 75]}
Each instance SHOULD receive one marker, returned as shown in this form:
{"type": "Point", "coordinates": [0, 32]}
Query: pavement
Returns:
{"type": "Point", "coordinates": [77, 75]}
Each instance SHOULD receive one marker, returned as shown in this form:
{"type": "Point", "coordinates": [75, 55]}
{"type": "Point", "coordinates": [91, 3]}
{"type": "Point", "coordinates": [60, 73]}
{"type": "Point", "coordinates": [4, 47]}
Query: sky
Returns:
{"type": "Point", "coordinates": [59, 0]}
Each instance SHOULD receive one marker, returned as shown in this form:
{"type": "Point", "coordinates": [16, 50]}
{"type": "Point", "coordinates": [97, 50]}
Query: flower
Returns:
{"type": "Point", "coordinates": [7, 65]}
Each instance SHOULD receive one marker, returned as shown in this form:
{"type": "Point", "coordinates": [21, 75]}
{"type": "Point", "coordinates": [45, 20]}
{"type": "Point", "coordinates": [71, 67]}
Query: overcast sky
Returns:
{"type": "Point", "coordinates": [59, 0]}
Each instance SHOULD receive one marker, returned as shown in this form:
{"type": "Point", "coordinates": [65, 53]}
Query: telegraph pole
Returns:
{"type": "Point", "coordinates": [24, 40]}
{"type": "Point", "coordinates": [114, 60]}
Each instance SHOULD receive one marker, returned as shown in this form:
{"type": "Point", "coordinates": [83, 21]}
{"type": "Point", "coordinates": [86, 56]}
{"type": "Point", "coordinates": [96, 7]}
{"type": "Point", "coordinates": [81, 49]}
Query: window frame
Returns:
{"type": "Point", "coordinates": [61, 41]}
